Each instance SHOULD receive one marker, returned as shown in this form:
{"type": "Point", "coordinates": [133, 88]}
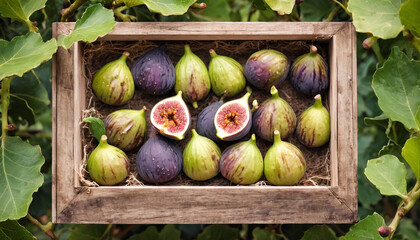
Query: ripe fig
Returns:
{"type": "Point", "coordinates": [226, 75]}
{"type": "Point", "coordinates": [171, 117]}
{"type": "Point", "coordinates": [313, 127]}
{"type": "Point", "coordinates": [205, 121]}
{"type": "Point", "coordinates": [201, 158]}
{"type": "Point", "coordinates": [113, 84]}
{"type": "Point", "coordinates": [284, 163]}
{"type": "Point", "coordinates": [266, 68]}
{"type": "Point", "coordinates": [233, 119]}
{"type": "Point", "coordinates": [158, 160]}
{"type": "Point", "coordinates": [242, 163]}
{"type": "Point", "coordinates": [309, 73]}
{"type": "Point", "coordinates": [192, 77]}
{"type": "Point", "coordinates": [154, 72]}
{"type": "Point", "coordinates": [274, 113]}
{"type": "Point", "coordinates": [107, 165]}
{"type": "Point", "coordinates": [126, 128]}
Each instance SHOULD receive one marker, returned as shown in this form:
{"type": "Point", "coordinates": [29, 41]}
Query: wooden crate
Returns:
{"type": "Point", "coordinates": [337, 203]}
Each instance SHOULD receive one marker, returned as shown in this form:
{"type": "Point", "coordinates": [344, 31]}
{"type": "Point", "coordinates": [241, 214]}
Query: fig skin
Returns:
{"type": "Point", "coordinates": [192, 77]}
{"type": "Point", "coordinates": [242, 163]}
{"type": "Point", "coordinates": [159, 160]}
{"type": "Point", "coordinates": [230, 114]}
{"type": "Point", "coordinates": [113, 84]}
{"type": "Point", "coordinates": [266, 68]}
{"type": "Point", "coordinates": [284, 163]}
{"type": "Point", "coordinates": [226, 75]}
{"type": "Point", "coordinates": [309, 73]}
{"type": "Point", "coordinates": [313, 129]}
{"type": "Point", "coordinates": [205, 121]}
{"type": "Point", "coordinates": [201, 158]}
{"type": "Point", "coordinates": [126, 128]}
{"type": "Point", "coordinates": [107, 165]}
{"type": "Point", "coordinates": [274, 113]}
{"type": "Point", "coordinates": [171, 117]}
{"type": "Point", "coordinates": [154, 72]}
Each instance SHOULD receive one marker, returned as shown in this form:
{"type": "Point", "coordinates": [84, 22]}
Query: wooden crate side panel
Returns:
{"type": "Point", "coordinates": [333, 114]}
{"type": "Point", "coordinates": [54, 130]}
{"type": "Point", "coordinates": [139, 205]}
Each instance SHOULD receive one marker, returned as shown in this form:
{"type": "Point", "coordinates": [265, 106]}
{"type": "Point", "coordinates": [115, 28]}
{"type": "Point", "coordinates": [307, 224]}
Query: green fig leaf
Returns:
{"type": "Point", "coordinates": [407, 230]}
{"type": "Point", "coordinates": [410, 15]}
{"type": "Point", "coordinates": [96, 126]}
{"type": "Point", "coordinates": [218, 232]}
{"type": "Point", "coordinates": [88, 232]}
{"type": "Point", "coordinates": [24, 53]}
{"type": "Point", "coordinates": [319, 232]}
{"type": "Point", "coordinates": [164, 7]}
{"type": "Point", "coordinates": [379, 17]}
{"type": "Point", "coordinates": [411, 154]}
{"type": "Point", "coordinates": [11, 229]}
{"type": "Point", "coordinates": [20, 10]}
{"type": "Point", "coordinates": [367, 193]}
{"type": "Point", "coordinates": [366, 229]}
{"type": "Point", "coordinates": [20, 176]}
{"type": "Point", "coordinates": [169, 232]}
{"type": "Point", "coordinates": [96, 21]}
{"type": "Point", "coordinates": [314, 11]}
{"type": "Point", "coordinates": [263, 234]}
{"type": "Point", "coordinates": [387, 173]}
{"type": "Point", "coordinates": [397, 86]}
{"type": "Point", "coordinates": [281, 6]}
{"type": "Point", "coordinates": [381, 121]}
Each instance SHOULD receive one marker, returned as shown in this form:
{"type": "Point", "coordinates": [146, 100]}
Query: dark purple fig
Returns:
{"type": "Point", "coordinates": [154, 72]}
{"type": "Point", "coordinates": [309, 73]}
{"type": "Point", "coordinates": [233, 119]}
{"type": "Point", "coordinates": [266, 68]}
{"type": "Point", "coordinates": [107, 165]}
{"type": "Point", "coordinates": [205, 121]}
{"type": "Point", "coordinates": [274, 113]}
{"type": "Point", "coordinates": [284, 163]}
{"type": "Point", "coordinates": [313, 127]}
{"type": "Point", "coordinates": [159, 160]}
{"type": "Point", "coordinates": [201, 158]}
{"type": "Point", "coordinates": [171, 117]}
{"type": "Point", "coordinates": [192, 77]}
{"type": "Point", "coordinates": [226, 75]}
{"type": "Point", "coordinates": [242, 163]}
{"type": "Point", "coordinates": [126, 128]}
{"type": "Point", "coordinates": [113, 84]}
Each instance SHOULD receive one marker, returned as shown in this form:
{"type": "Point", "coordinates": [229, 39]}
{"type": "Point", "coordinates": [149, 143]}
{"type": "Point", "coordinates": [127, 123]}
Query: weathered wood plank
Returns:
{"type": "Point", "coordinates": [333, 113]}
{"type": "Point", "coordinates": [54, 130]}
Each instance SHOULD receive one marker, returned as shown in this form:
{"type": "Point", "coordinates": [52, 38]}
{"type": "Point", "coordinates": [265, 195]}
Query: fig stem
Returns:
{"type": "Point", "coordinates": [254, 106]}
{"type": "Point", "coordinates": [103, 140]}
{"type": "Point", "coordinates": [213, 53]}
{"type": "Point", "coordinates": [274, 92]}
{"type": "Point", "coordinates": [194, 133]}
{"type": "Point", "coordinates": [187, 48]}
{"type": "Point", "coordinates": [253, 138]}
{"type": "Point", "coordinates": [313, 50]}
{"type": "Point", "coordinates": [318, 101]}
{"type": "Point", "coordinates": [277, 138]}
{"type": "Point", "coordinates": [194, 104]}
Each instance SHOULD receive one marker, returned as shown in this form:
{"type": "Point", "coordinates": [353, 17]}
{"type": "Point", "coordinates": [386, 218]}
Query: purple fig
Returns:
{"type": "Point", "coordinates": [205, 121]}
{"type": "Point", "coordinates": [154, 72]}
{"type": "Point", "coordinates": [242, 163]}
{"type": "Point", "coordinates": [274, 113]}
{"type": "Point", "coordinates": [266, 68]}
{"type": "Point", "coordinates": [309, 73]}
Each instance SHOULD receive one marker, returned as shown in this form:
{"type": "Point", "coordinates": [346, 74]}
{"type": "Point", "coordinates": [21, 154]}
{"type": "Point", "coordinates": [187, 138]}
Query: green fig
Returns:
{"type": "Point", "coordinates": [201, 158]}
{"type": "Point", "coordinates": [107, 165]}
{"type": "Point", "coordinates": [126, 128]}
{"type": "Point", "coordinates": [226, 75]}
{"type": "Point", "coordinates": [242, 163]}
{"type": "Point", "coordinates": [284, 163]}
{"type": "Point", "coordinates": [113, 84]}
{"type": "Point", "coordinates": [192, 77]}
{"type": "Point", "coordinates": [313, 127]}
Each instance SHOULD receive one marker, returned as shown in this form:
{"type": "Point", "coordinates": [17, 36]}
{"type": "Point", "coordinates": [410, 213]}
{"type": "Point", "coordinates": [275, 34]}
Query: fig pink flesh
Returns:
{"type": "Point", "coordinates": [232, 117]}
{"type": "Point", "coordinates": [172, 116]}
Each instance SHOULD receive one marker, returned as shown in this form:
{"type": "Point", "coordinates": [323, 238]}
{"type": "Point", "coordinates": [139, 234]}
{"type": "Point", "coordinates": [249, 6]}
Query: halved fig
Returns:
{"type": "Point", "coordinates": [171, 117]}
{"type": "Point", "coordinates": [233, 119]}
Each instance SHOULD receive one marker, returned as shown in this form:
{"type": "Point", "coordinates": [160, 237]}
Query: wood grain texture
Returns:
{"type": "Point", "coordinates": [163, 204]}
{"type": "Point", "coordinates": [54, 129]}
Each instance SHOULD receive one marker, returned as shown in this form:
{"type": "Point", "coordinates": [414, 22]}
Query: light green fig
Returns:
{"type": "Point", "coordinates": [126, 128]}
{"type": "Point", "coordinates": [284, 163]}
{"type": "Point", "coordinates": [242, 163]}
{"type": "Point", "coordinates": [226, 75]}
{"type": "Point", "coordinates": [201, 158]}
{"type": "Point", "coordinates": [107, 165]}
{"type": "Point", "coordinates": [313, 127]}
{"type": "Point", "coordinates": [192, 77]}
{"type": "Point", "coordinates": [113, 84]}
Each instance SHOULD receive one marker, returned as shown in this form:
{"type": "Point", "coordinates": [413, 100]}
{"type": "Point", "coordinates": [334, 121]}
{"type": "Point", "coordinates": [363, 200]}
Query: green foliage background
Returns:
{"type": "Point", "coordinates": [391, 64]}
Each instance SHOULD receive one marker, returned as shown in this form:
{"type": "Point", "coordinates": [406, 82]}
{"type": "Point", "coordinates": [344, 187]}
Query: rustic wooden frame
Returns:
{"type": "Point", "coordinates": [73, 203]}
